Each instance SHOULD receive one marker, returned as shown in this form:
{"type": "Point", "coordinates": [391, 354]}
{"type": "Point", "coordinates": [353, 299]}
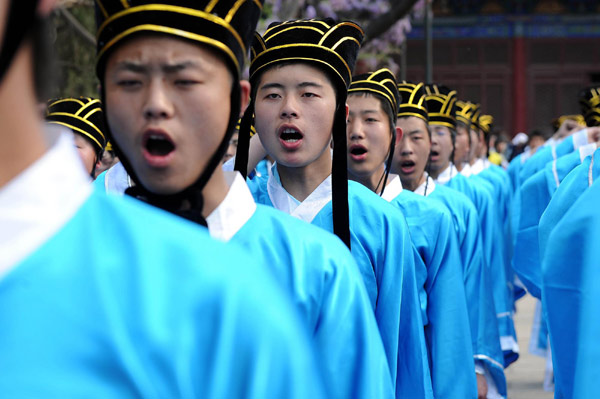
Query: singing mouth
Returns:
{"type": "Point", "coordinates": [290, 135]}
{"type": "Point", "coordinates": [358, 150]}
{"type": "Point", "coordinates": [158, 144]}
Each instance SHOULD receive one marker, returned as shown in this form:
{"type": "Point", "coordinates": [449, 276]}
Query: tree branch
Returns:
{"type": "Point", "coordinates": [79, 28]}
{"type": "Point", "coordinates": [382, 23]}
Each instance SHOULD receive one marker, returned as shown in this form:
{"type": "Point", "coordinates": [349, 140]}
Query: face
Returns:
{"type": "Point", "coordinates": [168, 106]}
{"type": "Point", "coordinates": [232, 148]}
{"type": "Point", "coordinates": [106, 162]}
{"type": "Point", "coordinates": [535, 142]}
{"type": "Point", "coordinates": [368, 135]}
{"type": "Point", "coordinates": [475, 145]}
{"type": "Point", "coordinates": [412, 152]}
{"type": "Point", "coordinates": [86, 151]}
{"type": "Point", "coordinates": [441, 148]}
{"type": "Point", "coordinates": [294, 110]}
{"type": "Point", "coordinates": [461, 145]}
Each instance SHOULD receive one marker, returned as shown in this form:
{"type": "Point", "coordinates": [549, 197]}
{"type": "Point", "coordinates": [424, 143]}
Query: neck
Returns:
{"type": "Point", "coordinates": [300, 182]}
{"type": "Point", "coordinates": [214, 192]}
{"type": "Point", "coordinates": [412, 185]}
{"type": "Point", "coordinates": [458, 166]}
{"type": "Point", "coordinates": [372, 181]}
{"type": "Point", "coordinates": [435, 172]}
{"type": "Point", "coordinates": [21, 130]}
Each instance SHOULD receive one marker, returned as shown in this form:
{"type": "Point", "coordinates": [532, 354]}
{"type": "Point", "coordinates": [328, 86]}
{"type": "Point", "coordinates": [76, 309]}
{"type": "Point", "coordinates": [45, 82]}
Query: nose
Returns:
{"type": "Point", "coordinates": [289, 108]}
{"type": "Point", "coordinates": [354, 130]}
{"type": "Point", "coordinates": [157, 103]}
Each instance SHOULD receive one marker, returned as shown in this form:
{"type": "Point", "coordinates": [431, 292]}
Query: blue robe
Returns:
{"type": "Point", "coordinates": [119, 303]}
{"type": "Point", "coordinates": [483, 201]}
{"type": "Point", "coordinates": [317, 269]}
{"type": "Point", "coordinates": [385, 256]}
{"type": "Point", "coordinates": [547, 154]}
{"type": "Point", "coordinates": [575, 183]}
{"type": "Point", "coordinates": [571, 297]}
{"type": "Point", "coordinates": [479, 295]}
{"type": "Point", "coordinates": [536, 193]}
{"type": "Point", "coordinates": [447, 332]}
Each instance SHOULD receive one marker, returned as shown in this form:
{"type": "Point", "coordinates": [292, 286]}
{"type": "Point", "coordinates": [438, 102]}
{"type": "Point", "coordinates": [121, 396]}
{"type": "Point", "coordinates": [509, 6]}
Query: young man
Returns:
{"type": "Point", "coordinates": [300, 72]}
{"type": "Point", "coordinates": [373, 104]}
{"type": "Point", "coordinates": [84, 117]}
{"type": "Point", "coordinates": [100, 296]}
{"type": "Point", "coordinates": [411, 159]}
{"type": "Point", "coordinates": [172, 103]}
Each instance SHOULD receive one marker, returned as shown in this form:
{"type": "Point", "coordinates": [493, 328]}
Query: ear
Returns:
{"type": "Point", "coordinates": [399, 134]}
{"type": "Point", "coordinates": [45, 7]}
{"type": "Point", "coordinates": [245, 95]}
{"type": "Point", "coordinates": [347, 111]}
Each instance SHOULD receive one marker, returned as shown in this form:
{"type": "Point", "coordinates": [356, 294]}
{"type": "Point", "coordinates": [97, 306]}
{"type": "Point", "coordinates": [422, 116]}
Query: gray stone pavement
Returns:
{"type": "Point", "coordinates": [526, 376]}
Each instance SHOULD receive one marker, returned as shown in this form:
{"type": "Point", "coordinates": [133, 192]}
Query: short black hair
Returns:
{"type": "Point", "coordinates": [385, 106]}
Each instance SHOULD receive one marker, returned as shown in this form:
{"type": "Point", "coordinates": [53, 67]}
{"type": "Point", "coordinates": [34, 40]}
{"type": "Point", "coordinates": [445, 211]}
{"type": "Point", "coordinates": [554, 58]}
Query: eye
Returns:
{"type": "Point", "coordinates": [272, 96]}
{"type": "Point", "coordinates": [185, 82]}
{"type": "Point", "coordinates": [309, 95]}
{"type": "Point", "coordinates": [371, 120]}
{"type": "Point", "coordinates": [129, 83]}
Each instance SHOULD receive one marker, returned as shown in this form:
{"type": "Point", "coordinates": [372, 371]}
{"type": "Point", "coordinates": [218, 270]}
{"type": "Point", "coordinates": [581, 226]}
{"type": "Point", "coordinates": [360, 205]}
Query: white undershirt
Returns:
{"type": "Point", "coordinates": [305, 210]}
{"type": "Point", "coordinates": [38, 202]}
{"type": "Point", "coordinates": [428, 183]}
{"type": "Point", "coordinates": [466, 170]}
{"type": "Point", "coordinates": [234, 211]}
{"type": "Point", "coordinates": [393, 189]}
{"type": "Point", "coordinates": [447, 174]}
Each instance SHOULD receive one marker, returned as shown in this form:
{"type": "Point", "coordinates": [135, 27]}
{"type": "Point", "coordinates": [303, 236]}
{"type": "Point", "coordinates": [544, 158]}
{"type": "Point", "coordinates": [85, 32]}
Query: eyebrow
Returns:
{"type": "Point", "coordinates": [166, 68]}
{"type": "Point", "coordinates": [415, 131]}
{"type": "Point", "coordinates": [280, 86]}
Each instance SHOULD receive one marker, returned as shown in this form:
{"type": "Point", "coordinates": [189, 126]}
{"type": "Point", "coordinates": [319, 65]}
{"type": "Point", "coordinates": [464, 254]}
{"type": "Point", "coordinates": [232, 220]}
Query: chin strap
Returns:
{"type": "Point", "coordinates": [20, 20]}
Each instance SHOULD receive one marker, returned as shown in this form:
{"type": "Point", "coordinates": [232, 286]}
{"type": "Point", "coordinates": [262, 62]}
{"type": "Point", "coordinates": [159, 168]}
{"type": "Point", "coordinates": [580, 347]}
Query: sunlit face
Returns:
{"type": "Point", "coordinates": [168, 106]}
{"type": "Point", "coordinates": [369, 135]}
{"type": "Point", "coordinates": [461, 145]}
{"type": "Point", "coordinates": [412, 152]}
{"type": "Point", "coordinates": [475, 145]}
{"type": "Point", "coordinates": [86, 151]}
{"type": "Point", "coordinates": [441, 148]}
{"type": "Point", "coordinates": [294, 111]}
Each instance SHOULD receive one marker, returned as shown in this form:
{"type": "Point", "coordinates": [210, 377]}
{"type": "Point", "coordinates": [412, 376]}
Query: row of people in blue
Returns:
{"type": "Point", "coordinates": [395, 282]}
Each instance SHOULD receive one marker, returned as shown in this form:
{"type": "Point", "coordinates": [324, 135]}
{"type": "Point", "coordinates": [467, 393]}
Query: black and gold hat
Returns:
{"type": "Point", "coordinates": [589, 99]}
{"type": "Point", "coordinates": [225, 25]}
{"type": "Point", "coordinates": [486, 123]}
{"type": "Point", "coordinates": [82, 115]}
{"type": "Point", "coordinates": [332, 46]}
{"type": "Point", "coordinates": [556, 123]}
{"type": "Point", "coordinates": [464, 112]}
{"type": "Point", "coordinates": [441, 109]}
{"type": "Point", "coordinates": [475, 116]}
{"type": "Point", "coordinates": [382, 82]}
{"type": "Point", "coordinates": [413, 100]}
{"type": "Point", "coordinates": [434, 88]}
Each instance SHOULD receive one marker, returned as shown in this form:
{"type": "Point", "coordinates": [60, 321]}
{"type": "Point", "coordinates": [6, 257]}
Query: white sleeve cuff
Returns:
{"type": "Point", "coordinates": [580, 138]}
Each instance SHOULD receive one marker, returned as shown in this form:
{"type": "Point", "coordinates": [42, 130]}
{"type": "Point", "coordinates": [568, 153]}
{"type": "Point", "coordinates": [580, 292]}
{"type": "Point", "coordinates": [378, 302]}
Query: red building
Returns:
{"type": "Point", "coordinates": [524, 61]}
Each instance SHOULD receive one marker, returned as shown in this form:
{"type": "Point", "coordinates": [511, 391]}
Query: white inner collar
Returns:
{"type": "Point", "coordinates": [393, 189]}
{"type": "Point", "coordinates": [41, 199]}
{"type": "Point", "coordinates": [447, 174]}
{"type": "Point", "coordinates": [234, 211]}
{"type": "Point", "coordinates": [466, 170]}
{"type": "Point", "coordinates": [428, 184]}
{"type": "Point", "coordinates": [305, 210]}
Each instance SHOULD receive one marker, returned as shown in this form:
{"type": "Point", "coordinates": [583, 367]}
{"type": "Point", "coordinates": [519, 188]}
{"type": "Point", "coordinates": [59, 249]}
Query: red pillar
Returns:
{"type": "Point", "coordinates": [519, 84]}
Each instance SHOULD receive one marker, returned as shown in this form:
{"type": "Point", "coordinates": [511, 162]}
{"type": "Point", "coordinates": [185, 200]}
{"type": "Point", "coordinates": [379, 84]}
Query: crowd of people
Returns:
{"type": "Point", "coordinates": [302, 233]}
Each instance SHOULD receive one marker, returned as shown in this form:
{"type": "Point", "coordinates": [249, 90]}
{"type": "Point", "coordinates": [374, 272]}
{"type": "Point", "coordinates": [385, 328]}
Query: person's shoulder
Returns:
{"type": "Point", "coordinates": [365, 204]}
{"type": "Point", "coordinates": [299, 234]}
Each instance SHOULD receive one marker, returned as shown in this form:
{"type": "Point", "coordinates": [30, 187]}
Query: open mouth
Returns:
{"type": "Point", "coordinates": [290, 135]}
{"type": "Point", "coordinates": [358, 150]}
{"type": "Point", "coordinates": [434, 155]}
{"type": "Point", "coordinates": [158, 145]}
{"type": "Point", "coordinates": [407, 167]}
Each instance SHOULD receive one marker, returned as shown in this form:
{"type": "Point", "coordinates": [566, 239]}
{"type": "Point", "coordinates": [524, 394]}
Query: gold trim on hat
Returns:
{"type": "Point", "coordinates": [84, 107]}
{"type": "Point", "coordinates": [342, 40]}
{"type": "Point", "coordinates": [174, 32]}
{"type": "Point", "coordinates": [78, 130]}
{"type": "Point", "coordinates": [125, 4]}
{"type": "Point", "coordinates": [298, 59]}
{"type": "Point", "coordinates": [80, 119]}
{"type": "Point", "coordinates": [64, 100]}
{"type": "Point", "coordinates": [211, 5]}
{"type": "Point", "coordinates": [176, 9]}
{"type": "Point", "coordinates": [292, 28]}
{"type": "Point", "coordinates": [335, 28]}
{"type": "Point", "coordinates": [359, 89]}
{"type": "Point", "coordinates": [92, 112]}
{"type": "Point", "coordinates": [296, 45]}
{"type": "Point", "coordinates": [403, 114]}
